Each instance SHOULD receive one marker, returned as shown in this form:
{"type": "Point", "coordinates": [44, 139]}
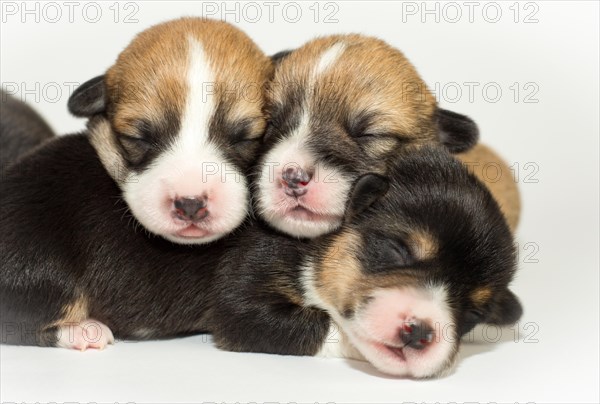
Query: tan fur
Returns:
{"type": "Point", "coordinates": [481, 296]}
{"type": "Point", "coordinates": [423, 245]}
{"type": "Point", "coordinates": [101, 137]}
{"type": "Point", "coordinates": [290, 291]}
{"type": "Point", "coordinates": [339, 272]}
{"type": "Point", "coordinates": [498, 178]}
{"type": "Point", "coordinates": [151, 72]}
{"type": "Point", "coordinates": [72, 313]}
{"type": "Point", "coordinates": [392, 88]}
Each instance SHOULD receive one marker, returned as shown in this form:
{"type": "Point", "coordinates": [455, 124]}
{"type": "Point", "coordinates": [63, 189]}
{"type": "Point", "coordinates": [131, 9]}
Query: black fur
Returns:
{"type": "Point", "coordinates": [88, 99]}
{"type": "Point", "coordinates": [21, 129]}
{"type": "Point", "coordinates": [365, 191]}
{"type": "Point", "coordinates": [457, 132]}
{"type": "Point", "coordinates": [279, 56]}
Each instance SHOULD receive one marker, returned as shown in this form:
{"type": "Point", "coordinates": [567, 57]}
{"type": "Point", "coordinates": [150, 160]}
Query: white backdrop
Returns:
{"type": "Point", "coordinates": [526, 72]}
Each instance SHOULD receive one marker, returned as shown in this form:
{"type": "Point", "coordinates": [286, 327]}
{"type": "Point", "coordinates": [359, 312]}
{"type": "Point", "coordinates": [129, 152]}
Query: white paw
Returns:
{"type": "Point", "coordinates": [89, 333]}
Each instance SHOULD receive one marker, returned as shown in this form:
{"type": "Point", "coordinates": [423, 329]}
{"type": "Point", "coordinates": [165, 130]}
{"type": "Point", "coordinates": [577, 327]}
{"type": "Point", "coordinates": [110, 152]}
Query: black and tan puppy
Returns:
{"type": "Point", "coordinates": [21, 129]}
{"type": "Point", "coordinates": [397, 285]}
{"type": "Point", "coordinates": [342, 106]}
{"type": "Point", "coordinates": [184, 116]}
{"type": "Point", "coordinates": [408, 273]}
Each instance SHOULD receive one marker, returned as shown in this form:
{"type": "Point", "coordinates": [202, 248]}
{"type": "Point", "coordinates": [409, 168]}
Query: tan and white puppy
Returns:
{"type": "Point", "coordinates": [176, 122]}
{"type": "Point", "coordinates": [342, 106]}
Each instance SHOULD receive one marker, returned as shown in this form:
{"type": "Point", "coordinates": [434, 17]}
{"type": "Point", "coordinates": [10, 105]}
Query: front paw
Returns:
{"type": "Point", "coordinates": [89, 333]}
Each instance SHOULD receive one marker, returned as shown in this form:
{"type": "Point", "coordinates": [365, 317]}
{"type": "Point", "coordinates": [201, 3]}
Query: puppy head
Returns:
{"type": "Point", "coordinates": [407, 277]}
{"type": "Point", "coordinates": [340, 107]}
{"type": "Point", "coordinates": [177, 120]}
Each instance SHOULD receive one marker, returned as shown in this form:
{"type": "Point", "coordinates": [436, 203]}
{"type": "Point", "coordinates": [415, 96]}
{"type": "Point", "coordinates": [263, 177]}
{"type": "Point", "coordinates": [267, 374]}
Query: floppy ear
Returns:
{"type": "Point", "coordinates": [89, 98]}
{"type": "Point", "coordinates": [457, 132]}
{"type": "Point", "coordinates": [505, 309]}
{"type": "Point", "coordinates": [368, 189]}
{"type": "Point", "coordinates": [279, 56]}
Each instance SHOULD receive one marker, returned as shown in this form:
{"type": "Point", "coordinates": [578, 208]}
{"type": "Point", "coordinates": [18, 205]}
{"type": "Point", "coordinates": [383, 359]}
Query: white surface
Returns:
{"type": "Point", "coordinates": [559, 54]}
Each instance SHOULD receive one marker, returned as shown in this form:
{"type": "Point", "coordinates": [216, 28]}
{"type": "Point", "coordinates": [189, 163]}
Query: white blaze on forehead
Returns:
{"type": "Point", "coordinates": [292, 149]}
{"type": "Point", "coordinates": [329, 57]}
{"type": "Point", "coordinates": [200, 102]}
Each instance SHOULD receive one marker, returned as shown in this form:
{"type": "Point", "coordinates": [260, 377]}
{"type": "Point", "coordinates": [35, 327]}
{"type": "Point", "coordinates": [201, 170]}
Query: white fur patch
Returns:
{"type": "Point", "coordinates": [328, 58]}
{"type": "Point", "coordinates": [200, 103]}
{"type": "Point", "coordinates": [337, 343]}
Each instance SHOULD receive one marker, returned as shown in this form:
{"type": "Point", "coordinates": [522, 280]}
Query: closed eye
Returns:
{"type": "Point", "coordinates": [242, 142]}
{"type": "Point", "coordinates": [389, 254]}
{"type": "Point", "coordinates": [135, 147]}
{"type": "Point", "coordinates": [400, 252]}
{"type": "Point", "coordinates": [272, 131]}
{"type": "Point", "coordinates": [246, 130]}
{"type": "Point", "coordinates": [131, 138]}
{"type": "Point", "coordinates": [364, 135]}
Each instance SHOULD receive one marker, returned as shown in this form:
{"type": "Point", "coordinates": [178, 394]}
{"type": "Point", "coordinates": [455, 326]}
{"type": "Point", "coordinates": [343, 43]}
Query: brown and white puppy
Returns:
{"type": "Point", "coordinates": [183, 117]}
{"type": "Point", "coordinates": [495, 174]}
{"type": "Point", "coordinates": [342, 106]}
{"type": "Point", "coordinates": [21, 129]}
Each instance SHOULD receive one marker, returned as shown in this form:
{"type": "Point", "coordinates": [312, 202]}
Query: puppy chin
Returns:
{"type": "Point", "coordinates": [191, 235]}
{"type": "Point", "coordinates": [302, 223]}
{"type": "Point", "coordinates": [217, 225]}
{"type": "Point", "coordinates": [375, 333]}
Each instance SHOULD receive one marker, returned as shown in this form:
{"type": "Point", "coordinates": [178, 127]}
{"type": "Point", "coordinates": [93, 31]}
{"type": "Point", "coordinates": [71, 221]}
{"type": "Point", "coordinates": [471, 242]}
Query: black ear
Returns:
{"type": "Point", "coordinates": [279, 56]}
{"type": "Point", "coordinates": [505, 309]}
{"type": "Point", "coordinates": [457, 132]}
{"type": "Point", "coordinates": [89, 98]}
{"type": "Point", "coordinates": [368, 189]}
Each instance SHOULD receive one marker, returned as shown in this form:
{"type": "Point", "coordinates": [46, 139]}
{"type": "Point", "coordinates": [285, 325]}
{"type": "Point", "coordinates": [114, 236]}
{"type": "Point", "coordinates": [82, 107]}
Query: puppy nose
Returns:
{"type": "Point", "coordinates": [416, 334]}
{"type": "Point", "coordinates": [295, 180]}
{"type": "Point", "coordinates": [190, 208]}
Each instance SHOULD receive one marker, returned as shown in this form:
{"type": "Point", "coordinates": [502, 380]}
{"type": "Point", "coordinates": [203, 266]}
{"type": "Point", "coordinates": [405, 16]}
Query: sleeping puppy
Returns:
{"type": "Point", "coordinates": [410, 271]}
{"type": "Point", "coordinates": [175, 124]}
{"type": "Point", "coordinates": [342, 106]}
{"type": "Point", "coordinates": [183, 109]}
{"type": "Point", "coordinates": [398, 284]}
{"type": "Point", "coordinates": [21, 129]}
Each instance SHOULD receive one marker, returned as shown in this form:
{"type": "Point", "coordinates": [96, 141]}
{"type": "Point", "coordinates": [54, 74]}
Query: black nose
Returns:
{"type": "Point", "coordinates": [295, 177]}
{"type": "Point", "coordinates": [295, 180]}
{"type": "Point", "coordinates": [191, 208]}
{"type": "Point", "coordinates": [416, 334]}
